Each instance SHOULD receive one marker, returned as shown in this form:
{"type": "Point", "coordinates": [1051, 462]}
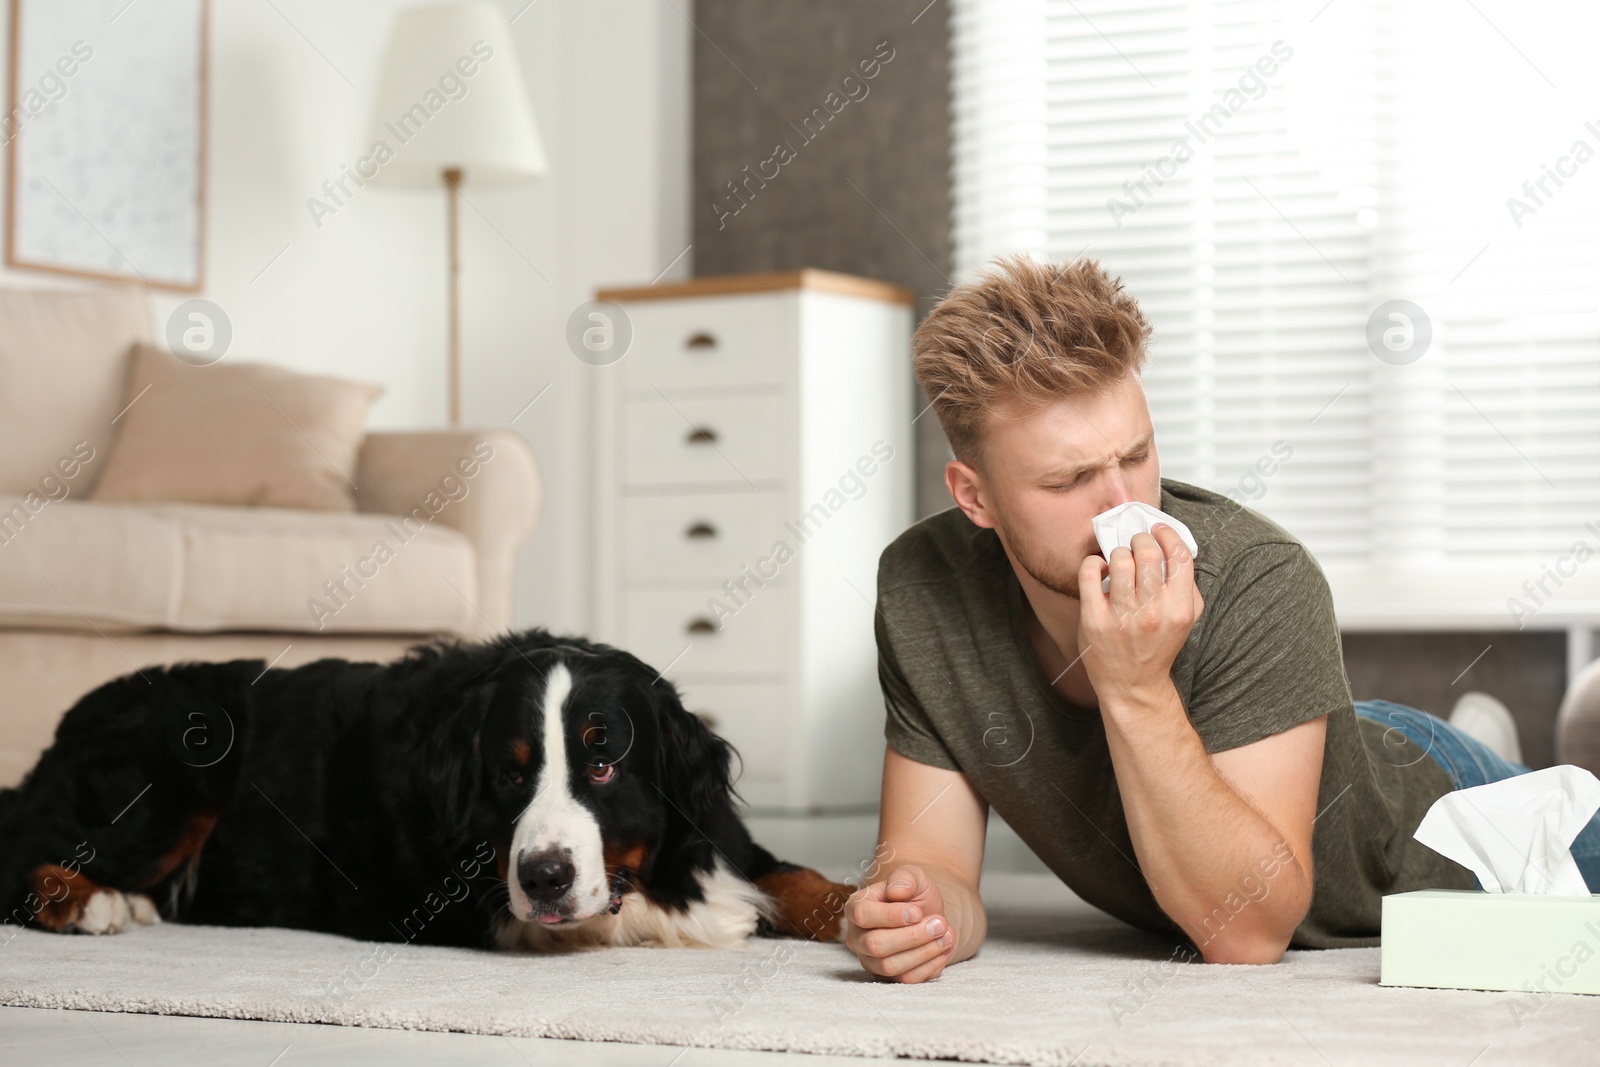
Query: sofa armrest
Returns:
{"type": "Point", "coordinates": [483, 483]}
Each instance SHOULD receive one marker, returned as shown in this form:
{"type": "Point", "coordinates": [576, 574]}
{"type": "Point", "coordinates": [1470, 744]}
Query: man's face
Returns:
{"type": "Point", "coordinates": [1047, 471]}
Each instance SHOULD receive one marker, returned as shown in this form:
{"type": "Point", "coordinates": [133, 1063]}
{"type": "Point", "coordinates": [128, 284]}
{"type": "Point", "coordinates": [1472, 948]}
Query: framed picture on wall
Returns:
{"type": "Point", "coordinates": [105, 137]}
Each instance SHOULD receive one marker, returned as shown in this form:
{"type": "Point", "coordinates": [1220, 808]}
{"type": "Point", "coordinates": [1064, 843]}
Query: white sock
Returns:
{"type": "Point", "coordinates": [1481, 716]}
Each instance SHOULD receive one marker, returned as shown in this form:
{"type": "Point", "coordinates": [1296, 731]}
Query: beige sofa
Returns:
{"type": "Point", "coordinates": [90, 591]}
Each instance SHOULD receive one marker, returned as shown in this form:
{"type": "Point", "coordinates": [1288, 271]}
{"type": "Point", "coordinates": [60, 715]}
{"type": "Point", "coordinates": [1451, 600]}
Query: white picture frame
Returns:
{"type": "Point", "coordinates": [106, 140]}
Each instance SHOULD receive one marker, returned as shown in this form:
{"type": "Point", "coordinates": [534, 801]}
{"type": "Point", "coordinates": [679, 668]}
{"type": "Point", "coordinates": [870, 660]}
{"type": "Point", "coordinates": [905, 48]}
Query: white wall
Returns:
{"type": "Point", "coordinates": [611, 85]}
{"type": "Point", "coordinates": [292, 87]}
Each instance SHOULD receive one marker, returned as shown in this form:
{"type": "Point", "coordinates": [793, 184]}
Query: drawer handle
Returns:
{"type": "Point", "coordinates": [702, 435]}
{"type": "Point", "coordinates": [700, 340]}
{"type": "Point", "coordinates": [700, 530]}
{"type": "Point", "coordinates": [709, 719]}
{"type": "Point", "coordinates": [701, 625]}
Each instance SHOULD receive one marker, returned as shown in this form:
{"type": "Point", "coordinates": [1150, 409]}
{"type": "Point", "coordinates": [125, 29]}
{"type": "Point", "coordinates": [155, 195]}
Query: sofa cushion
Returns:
{"type": "Point", "coordinates": [235, 433]}
{"type": "Point", "coordinates": [63, 363]}
{"type": "Point", "coordinates": [84, 565]}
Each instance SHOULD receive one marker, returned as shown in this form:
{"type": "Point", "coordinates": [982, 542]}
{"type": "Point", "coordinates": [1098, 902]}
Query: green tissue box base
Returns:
{"type": "Point", "coordinates": [1472, 939]}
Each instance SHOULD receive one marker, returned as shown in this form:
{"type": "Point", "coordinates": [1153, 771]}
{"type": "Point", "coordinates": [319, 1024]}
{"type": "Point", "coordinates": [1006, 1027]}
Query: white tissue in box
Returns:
{"type": "Point", "coordinates": [1516, 834]}
{"type": "Point", "coordinates": [1117, 527]}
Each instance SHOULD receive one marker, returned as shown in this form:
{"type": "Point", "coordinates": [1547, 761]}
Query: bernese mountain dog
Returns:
{"type": "Point", "coordinates": [531, 792]}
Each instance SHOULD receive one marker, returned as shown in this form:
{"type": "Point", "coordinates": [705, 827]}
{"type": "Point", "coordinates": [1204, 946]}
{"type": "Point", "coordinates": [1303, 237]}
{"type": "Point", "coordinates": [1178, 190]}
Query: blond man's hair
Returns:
{"type": "Point", "coordinates": [1027, 330]}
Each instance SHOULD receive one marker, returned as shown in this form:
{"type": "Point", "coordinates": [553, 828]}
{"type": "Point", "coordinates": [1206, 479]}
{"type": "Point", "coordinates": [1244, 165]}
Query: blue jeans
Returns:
{"type": "Point", "coordinates": [1470, 762]}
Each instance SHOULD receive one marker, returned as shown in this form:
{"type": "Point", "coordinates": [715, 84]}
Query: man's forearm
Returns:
{"type": "Point", "coordinates": [1216, 866]}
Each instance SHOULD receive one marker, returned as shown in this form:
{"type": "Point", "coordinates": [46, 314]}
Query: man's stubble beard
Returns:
{"type": "Point", "coordinates": [1022, 550]}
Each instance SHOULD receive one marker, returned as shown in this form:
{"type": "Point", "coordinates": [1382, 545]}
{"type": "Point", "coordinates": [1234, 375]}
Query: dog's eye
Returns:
{"type": "Point", "coordinates": [601, 773]}
{"type": "Point", "coordinates": [513, 777]}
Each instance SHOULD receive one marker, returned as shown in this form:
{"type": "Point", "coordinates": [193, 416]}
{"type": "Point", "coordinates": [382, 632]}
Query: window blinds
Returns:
{"type": "Point", "coordinates": [1268, 179]}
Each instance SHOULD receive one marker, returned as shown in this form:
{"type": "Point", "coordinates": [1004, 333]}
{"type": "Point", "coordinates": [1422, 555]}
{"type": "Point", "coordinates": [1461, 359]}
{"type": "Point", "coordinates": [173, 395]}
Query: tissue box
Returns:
{"type": "Point", "coordinates": [1472, 939]}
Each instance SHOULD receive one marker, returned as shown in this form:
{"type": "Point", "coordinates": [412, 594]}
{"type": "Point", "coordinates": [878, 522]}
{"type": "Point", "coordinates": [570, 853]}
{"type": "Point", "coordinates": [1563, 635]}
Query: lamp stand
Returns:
{"type": "Point", "coordinates": [452, 178]}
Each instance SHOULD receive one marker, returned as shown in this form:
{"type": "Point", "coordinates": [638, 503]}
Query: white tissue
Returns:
{"type": "Point", "coordinates": [1117, 527]}
{"type": "Point", "coordinates": [1516, 834]}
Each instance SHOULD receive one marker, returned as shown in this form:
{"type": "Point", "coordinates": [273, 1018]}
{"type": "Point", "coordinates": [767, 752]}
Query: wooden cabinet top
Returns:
{"type": "Point", "coordinates": [808, 278]}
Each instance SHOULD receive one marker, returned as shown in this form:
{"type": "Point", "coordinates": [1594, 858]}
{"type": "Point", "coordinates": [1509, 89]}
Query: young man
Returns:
{"type": "Point", "coordinates": [1166, 748]}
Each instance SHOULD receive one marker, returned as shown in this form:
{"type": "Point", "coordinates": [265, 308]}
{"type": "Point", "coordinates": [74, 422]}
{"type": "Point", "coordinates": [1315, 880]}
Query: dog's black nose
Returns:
{"type": "Point", "coordinates": [545, 876]}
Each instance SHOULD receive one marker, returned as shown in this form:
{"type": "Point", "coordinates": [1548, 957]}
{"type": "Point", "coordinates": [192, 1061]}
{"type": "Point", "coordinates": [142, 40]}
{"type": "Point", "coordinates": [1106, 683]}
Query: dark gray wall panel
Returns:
{"type": "Point", "coordinates": [865, 190]}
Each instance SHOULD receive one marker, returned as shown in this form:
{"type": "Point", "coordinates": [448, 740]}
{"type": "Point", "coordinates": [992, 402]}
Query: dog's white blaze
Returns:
{"type": "Point", "coordinates": [555, 820]}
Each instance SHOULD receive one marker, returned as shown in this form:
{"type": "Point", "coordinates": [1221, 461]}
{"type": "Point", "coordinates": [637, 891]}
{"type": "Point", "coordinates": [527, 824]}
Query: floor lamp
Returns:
{"type": "Point", "coordinates": [453, 108]}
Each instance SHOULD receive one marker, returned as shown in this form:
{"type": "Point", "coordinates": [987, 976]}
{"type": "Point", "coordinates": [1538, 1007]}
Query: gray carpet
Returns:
{"type": "Point", "coordinates": [1057, 983]}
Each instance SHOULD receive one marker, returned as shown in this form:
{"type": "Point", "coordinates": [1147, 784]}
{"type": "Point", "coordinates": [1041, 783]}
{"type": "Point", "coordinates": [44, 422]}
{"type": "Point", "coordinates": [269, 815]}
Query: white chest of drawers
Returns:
{"type": "Point", "coordinates": [753, 457]}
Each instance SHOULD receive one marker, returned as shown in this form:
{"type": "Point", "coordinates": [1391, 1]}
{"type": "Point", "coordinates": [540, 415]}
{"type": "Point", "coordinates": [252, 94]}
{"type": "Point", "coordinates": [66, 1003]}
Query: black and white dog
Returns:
{"type": "Point", "coordinates": [531, 792]}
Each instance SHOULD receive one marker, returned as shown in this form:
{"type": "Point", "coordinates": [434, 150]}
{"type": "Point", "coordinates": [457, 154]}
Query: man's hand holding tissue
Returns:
{"type": "Point", "coordinates": [1195, 834]}
{"type": "Point", "coordinates": [1129, 637]}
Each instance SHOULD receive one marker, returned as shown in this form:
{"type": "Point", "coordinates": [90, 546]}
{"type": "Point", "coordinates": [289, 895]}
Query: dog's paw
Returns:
{"type": "Point", "coordinates": [105, 912]}
{"type": "Point", "coordinates": [142, 909]}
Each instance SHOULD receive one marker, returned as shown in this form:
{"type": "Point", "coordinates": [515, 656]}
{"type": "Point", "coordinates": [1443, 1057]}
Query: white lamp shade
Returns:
{"type": "Point", "coordinates": [452, 95]}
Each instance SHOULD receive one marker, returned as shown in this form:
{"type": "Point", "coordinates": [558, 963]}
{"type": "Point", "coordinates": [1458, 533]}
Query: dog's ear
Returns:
{"type": "Point", "coordinates": [692, 763]}
{"type": "Point", "coordinates": [453, 762]}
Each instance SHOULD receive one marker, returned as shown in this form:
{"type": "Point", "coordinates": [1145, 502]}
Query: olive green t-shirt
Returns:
{"type": "Point", "coordinates": [964, 691]}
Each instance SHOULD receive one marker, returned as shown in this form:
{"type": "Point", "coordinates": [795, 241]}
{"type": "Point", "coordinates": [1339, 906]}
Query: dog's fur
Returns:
{"type": "Point", "coordinates": [531, 792]}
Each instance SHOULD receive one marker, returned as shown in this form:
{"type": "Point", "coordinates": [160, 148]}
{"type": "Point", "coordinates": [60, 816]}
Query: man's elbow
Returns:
{"type": "Point", "coordinates": [1238, 950]}
{"type": "Point", "coordinates": [1258, 946]}
{"type": "Point", "coordinates": [1264, 936]}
